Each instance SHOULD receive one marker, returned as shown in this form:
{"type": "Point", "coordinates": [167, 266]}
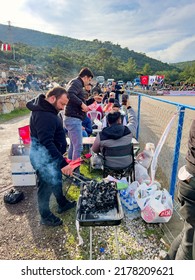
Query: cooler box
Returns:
{"type": "Point", "coordinates": [22, 171]}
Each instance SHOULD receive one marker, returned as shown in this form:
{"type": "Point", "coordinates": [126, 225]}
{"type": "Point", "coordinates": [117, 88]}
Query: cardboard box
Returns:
{"type": "Point", "coordinates": [23, 173]}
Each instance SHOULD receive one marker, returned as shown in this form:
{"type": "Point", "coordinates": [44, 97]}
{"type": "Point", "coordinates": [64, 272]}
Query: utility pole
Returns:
{"type": "Point", "coordinates": [11, 39]}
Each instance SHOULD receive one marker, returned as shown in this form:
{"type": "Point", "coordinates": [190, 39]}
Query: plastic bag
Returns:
{"type": "Point", "coordinates": [145, 157]}
{"type": "Point", "coordinates": [13, 196]}
{"type": "Point", "coordinates": [96, 161]}
{"type": "Point", "coordinates": [159, 207]}
{"type": "Point", "coordinates": [121, 184]}
{"type": "Point", "coordinates": [143, 193]}
{"type": "Point", "coordinates": [141, 173]}
{"type": "Point", "coordinates": [98, 123]}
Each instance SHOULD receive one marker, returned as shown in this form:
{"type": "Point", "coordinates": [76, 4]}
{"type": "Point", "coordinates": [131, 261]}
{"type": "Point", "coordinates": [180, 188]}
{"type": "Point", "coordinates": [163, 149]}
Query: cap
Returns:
{"type": "Point", "coordinates": [183, 174]}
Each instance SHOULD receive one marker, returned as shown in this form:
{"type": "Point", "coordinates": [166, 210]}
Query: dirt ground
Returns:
{"type": "Point", "coordinates": [21, 236]}
{"type": "Point", "coordinates": [14, 226]}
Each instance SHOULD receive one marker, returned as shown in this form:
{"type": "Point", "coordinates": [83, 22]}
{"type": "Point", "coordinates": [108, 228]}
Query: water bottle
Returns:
{"type": "Point", "coordinates": [136, 209]}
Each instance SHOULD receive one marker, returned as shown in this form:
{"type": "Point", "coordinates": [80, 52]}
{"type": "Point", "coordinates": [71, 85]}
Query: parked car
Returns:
{"type": "Point", "coordinates": [120, 83]}
{"type": "Point", "coordinates": [109, 81]}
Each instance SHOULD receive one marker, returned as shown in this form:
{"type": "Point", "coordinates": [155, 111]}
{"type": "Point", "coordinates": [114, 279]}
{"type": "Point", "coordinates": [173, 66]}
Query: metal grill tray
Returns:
{"type": "Point", "coordinates": [110, 218]}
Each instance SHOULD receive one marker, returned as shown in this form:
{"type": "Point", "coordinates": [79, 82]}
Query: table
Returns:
{"type": "Point", "coordinates": [86, 140]}
{"type": "Point", "coordinates": [90, 141]}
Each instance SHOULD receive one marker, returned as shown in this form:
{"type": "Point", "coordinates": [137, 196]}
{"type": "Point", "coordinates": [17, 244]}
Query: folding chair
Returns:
{"type": "Point", "coordinates": [24, 133]}
{"type": "Point", "coordinates": [94, 115]}
{"type": "Point", "coordinates": [115, 156]}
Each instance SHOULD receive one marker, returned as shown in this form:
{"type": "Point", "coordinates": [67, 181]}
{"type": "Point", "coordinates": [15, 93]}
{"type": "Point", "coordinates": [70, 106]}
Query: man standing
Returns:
{"type": "Point", "coordinates": [75, 112]}
{"type": "Point", "coordinates": [48, 144]}
{"type": "Point", "coordinates": [183, 246]}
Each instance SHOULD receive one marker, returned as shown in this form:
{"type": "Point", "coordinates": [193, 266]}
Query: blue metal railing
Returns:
{"type": "Point", "coordinates": [181, 114]}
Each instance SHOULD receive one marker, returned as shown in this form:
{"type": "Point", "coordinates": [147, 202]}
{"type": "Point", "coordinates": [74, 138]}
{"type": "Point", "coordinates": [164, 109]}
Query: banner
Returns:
{"type": "Point", "coordinates": [160, 79]}
{"type": "Point", "coordinates": [152, 79]}
{"type": "Point", "coordinates": [5, 47]}
{"type": "Point", "coordinates": [144, 80]}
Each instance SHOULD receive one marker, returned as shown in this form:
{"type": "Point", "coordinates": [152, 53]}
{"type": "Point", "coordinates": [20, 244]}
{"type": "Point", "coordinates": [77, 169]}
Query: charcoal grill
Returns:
{"type": "Point", "coordinates": [106, 210]}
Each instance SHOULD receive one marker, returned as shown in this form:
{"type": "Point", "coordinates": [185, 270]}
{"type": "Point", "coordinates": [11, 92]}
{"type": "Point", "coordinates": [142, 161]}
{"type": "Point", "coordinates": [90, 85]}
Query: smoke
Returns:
{"type": "Point", "coordinates": [42, 162]}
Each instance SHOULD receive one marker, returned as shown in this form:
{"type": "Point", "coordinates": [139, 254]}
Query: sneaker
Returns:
{"type": "Point", "coordinates": [51, 220]}
{"type": "Point", "coordinates": [66, 207]}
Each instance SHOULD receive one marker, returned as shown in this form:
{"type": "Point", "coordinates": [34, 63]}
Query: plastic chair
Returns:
{"type": "Point", "coordinates": [116, 156]}
{"type": "Point", "coordinates": [24, 133]}
{"type": "Point", "coordinates": [94, 115]}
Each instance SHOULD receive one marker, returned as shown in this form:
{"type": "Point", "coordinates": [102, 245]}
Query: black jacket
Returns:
{"type": "Point", "coordinates": [190, 157]}
{"type": "Point", "coordinates": [47, 133]}
{"type": "Point", "coordinates": [76, 97]}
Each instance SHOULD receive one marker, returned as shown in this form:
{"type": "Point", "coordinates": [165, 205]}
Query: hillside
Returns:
{"type": "Point", "coordinates": [40, 39]}
{"type": "Point", "coordinates": [182, 65]}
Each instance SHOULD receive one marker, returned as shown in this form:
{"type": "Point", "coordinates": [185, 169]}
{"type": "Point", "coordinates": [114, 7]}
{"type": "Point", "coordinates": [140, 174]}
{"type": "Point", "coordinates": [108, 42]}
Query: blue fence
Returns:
{"type": "Point", "coordinates": [177, 134]}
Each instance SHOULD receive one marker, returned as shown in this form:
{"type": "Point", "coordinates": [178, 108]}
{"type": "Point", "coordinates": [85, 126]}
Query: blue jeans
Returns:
{"type": "Point", "coordinates": [74, 127]}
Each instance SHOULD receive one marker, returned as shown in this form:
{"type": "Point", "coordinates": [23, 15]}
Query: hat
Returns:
{"type": "Point", "coordinates": [116, 105]}
{"type": "Point", "coordinates": [183, 174]}
{"type": "Point", "coordinates": [111, 100]}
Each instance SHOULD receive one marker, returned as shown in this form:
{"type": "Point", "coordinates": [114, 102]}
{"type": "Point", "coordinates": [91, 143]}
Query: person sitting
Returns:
{"type": "Point", "coordinates": [115, 135]}
{"type": "Point", "coordinates": [87, 127]}
{"type": "Point", "coordinates": [115, 108]}
{"type": "Point", "coordinates": [112, 95]}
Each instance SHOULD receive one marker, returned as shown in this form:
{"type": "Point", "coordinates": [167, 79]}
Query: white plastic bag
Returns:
{"type": "Point", "coordinates": [98, 123]}
{"type": "Point", "coordinates": [121, 184]}
{"type": "Point", "coordinates": [143, 193]}
{"type": "Point", "coordinates": [96, 161]}
{"type": "Point", "coordinates": [141, 173]}
{"type": "Point", "coordinates": [145, 157]}
{"type": "Point", "coordinates": [159, 207]}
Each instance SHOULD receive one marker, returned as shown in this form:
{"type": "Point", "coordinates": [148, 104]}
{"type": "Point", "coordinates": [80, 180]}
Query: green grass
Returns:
{"type": "Point", "coordinates": [14, 114]}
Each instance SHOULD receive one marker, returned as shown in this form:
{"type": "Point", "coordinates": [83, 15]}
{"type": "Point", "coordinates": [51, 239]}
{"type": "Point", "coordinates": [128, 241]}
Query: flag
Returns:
{"type": "Point", "coordinates": [144, 80]}
{"type": "Point", "coordinates": [5, 47]}
{"type": "Point", "coordinates": [152, 79]}
{"type": "Point", "coordinates": [160, 79]}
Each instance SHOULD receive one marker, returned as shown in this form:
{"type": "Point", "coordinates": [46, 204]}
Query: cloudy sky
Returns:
{"type": "Point", "coordinates": [162, 29]}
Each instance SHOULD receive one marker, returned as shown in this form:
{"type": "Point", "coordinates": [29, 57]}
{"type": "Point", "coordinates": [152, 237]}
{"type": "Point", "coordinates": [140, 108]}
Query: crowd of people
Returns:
{"type": "Point", "coordinates": [27, 82]}
{"type": "Point", "coordinates": [119, 124]}
{"type": "Point", "coordinates": [48, 134]}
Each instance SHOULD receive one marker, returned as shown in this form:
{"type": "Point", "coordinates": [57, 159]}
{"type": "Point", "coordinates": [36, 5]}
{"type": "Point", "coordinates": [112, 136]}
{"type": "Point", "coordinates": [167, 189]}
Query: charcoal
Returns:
{"type": "Point", "coordinates": [98, 197]}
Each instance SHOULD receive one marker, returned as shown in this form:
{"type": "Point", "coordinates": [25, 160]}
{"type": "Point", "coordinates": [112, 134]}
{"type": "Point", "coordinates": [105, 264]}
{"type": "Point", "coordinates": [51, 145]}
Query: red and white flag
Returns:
{"type": "Point", "coordinates": [5, 47]}
{"type": "Point", "coordinates": [144, 80]}
{"type": "Point", "coordinates": [160, 79]}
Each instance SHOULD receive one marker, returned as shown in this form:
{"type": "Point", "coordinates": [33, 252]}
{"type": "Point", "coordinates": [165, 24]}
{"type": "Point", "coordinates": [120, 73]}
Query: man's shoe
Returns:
{"type": "Point", "coordinates": [51, 221]}
{"type": "Point", "coordinates": [66, 207]}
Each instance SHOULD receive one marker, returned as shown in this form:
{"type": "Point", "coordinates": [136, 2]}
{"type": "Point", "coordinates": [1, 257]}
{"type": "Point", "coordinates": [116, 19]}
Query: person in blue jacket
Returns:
{"type": "Point", "coordinates": [87, 127]}
{"type": "Point", "coordinates": [48, 144]}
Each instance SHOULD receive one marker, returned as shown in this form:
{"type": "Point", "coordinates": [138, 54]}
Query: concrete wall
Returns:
{"type": "Point", "coordinates": [12, 101]}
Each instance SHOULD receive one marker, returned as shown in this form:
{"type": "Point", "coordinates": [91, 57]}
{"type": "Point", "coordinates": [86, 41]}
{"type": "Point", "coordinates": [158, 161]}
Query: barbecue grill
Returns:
{"type": "Point", "coordinates": [98, 205]}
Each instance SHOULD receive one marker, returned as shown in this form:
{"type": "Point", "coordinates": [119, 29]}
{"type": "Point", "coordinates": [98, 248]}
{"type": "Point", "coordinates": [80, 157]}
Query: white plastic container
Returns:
{"type": "Point", "coordinates": [22, 171]}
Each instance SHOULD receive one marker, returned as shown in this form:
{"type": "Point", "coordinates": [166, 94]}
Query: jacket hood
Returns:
{"type": "Point", "coordinates": [41, 104]}
{"type": "Point", "coordinates": [115, 131]}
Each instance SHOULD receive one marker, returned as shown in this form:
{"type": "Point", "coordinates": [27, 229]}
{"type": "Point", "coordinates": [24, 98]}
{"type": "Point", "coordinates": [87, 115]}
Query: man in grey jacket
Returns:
{"type": "Point", "coordinates": [115, 135]}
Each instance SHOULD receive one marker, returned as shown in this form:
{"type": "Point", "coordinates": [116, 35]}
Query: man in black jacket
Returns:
{"type": "Point", "coordinates": [183, 246]}
{"type": "Point", "coordinates": [75, 112]}
{"type": "Point", "coordinates": [48, 144]}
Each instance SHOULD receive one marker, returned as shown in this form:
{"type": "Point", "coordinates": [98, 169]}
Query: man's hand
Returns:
{"type": "Point", "coordinates": [67, 170]}
{"type": "Point", "coordinates": [84, 107]}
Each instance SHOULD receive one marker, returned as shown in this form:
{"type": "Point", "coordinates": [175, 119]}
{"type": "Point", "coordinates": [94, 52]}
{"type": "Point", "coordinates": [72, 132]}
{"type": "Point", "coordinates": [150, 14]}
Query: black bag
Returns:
{"type": "Point", "coordinates": [13, 196]}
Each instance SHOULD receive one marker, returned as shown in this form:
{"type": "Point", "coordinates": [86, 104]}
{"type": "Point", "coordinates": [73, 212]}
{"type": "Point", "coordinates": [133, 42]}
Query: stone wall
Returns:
{"type": "Point", "coordinates": [12, 101]}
